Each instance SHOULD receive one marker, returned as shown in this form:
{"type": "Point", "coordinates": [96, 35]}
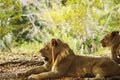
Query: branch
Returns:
{"type": "Point", "coordinates": [22, 62]}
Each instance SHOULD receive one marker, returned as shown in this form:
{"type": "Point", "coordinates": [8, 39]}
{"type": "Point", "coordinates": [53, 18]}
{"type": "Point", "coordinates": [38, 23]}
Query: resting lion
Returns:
{"type": "Point", "coordinates": [60, 61]}
{"type": "Point", "coordinates": [112, 40]}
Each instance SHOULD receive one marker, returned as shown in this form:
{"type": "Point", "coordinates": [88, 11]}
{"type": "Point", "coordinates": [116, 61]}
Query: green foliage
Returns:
{"type": "Point", "coordinates": [10, 16]}
{"type": "Point", "coordinates": [4, 31]}
{"type": "Point", "coordinates": [88, 19]}
{"type": "Point", "coordinates": [75, 21]}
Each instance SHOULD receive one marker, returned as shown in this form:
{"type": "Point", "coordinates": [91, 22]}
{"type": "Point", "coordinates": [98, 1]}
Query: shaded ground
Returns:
{"type": "Point", "coordinates": [13, 63]}
{"type": "Point", "coordinates": [8, 70]}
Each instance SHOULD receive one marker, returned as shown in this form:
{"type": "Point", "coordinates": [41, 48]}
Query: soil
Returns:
{"type": "Point", "coordinates": [13, 63]}
{"type": "Point", "coordinates": [9, 69]}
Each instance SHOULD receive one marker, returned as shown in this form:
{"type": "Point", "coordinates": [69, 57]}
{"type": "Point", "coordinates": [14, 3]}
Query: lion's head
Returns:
{"type": "Point", "coordinates": [110, 39]}
{"type": "Point", "coordinates": [54, 48]}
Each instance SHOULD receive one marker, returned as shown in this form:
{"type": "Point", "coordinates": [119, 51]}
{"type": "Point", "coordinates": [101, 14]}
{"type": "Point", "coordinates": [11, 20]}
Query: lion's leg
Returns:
{"type": "Point", "coordinates": [97, 77]}
{"type": "Point", "coordinates": [45, 75]}
{"type": "Point", "coordinates": [35, 70]}
{"type": "Point", "coordinates": [99, 73]}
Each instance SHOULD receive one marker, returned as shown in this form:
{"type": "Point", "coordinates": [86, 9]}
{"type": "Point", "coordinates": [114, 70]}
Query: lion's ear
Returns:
{"type": "Point", "coordinates": [114, 33]}
{"type": "Point", "coordinates": [54, 42]}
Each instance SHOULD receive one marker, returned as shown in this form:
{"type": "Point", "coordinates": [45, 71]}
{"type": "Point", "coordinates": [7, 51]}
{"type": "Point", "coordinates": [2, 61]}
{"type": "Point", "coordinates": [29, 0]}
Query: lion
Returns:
{"type": "Point", "coordinates": [60, 61]}
{"type": "Point", "coordinates": [112, 40]}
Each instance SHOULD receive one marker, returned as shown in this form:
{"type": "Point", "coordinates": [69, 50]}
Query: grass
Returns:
{"type": "Point", "coordinates": [28, 47]}
{"type": "Point", "coordinates": [30, 51]}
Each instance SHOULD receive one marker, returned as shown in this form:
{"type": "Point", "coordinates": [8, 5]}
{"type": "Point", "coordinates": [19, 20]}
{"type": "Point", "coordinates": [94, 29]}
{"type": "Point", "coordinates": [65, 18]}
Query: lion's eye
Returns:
{"type": "Point", "coordinates": [106, 41]}
{"type": "Point", "coordinates": [47, 48]}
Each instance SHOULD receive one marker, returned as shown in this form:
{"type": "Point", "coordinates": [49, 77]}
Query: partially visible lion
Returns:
{"type": "Point", "coordinates": [112, 40]}
{"type": "Point", "coordinates": [60, 61]}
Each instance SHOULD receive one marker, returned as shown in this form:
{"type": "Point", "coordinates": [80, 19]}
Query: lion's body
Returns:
{"type": "Point", "coordinates": [112, 40]}
{"type": "Point", "coordinates": [61, 61]}
{"type": "Point", "coordinates": [82, 65]}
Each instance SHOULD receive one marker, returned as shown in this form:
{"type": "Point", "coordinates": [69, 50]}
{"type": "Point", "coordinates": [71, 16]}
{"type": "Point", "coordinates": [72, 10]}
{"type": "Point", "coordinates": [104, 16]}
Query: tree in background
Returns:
{"type": "Point", "coordinates": [11, 20]}
{"type": "Point", "coordinates": [80, 23]}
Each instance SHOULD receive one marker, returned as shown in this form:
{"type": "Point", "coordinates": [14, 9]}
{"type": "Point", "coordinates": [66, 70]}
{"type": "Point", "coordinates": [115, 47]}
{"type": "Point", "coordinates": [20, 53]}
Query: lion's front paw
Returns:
{"type": "Point", "coordinates": [33, 77]}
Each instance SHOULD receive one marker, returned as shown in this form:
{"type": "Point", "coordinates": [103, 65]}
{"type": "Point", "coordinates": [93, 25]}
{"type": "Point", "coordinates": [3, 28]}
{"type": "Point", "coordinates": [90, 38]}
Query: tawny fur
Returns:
{"type": "Point", "coordinates": [112, 40]}
{"type": "Point", "coordinates": [63, 62]}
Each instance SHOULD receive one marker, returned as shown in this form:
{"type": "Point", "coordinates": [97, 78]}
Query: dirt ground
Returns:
{"type": "Point", "coordinates": [13, 63]}
{"type": "Point", "coordinates": [9, 70]}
